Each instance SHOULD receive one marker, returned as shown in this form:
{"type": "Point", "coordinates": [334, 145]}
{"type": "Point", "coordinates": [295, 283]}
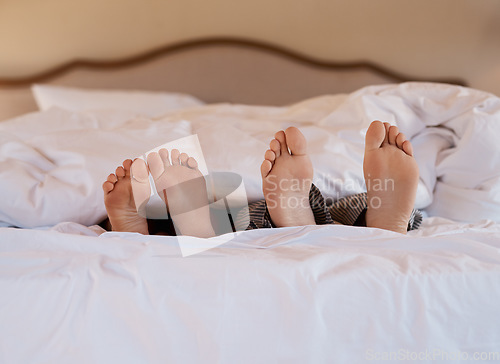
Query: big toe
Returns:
{"type": "Point", "coordinates": [140, 185]}
{"type": "Point", "coordinates": [375, 135]}
{"type": "Point", "coordinates": [296, 141]}
{"type": "Point", "coordinates": [139, 171]}
{"type": "Point", "coordinates": [156, 165]}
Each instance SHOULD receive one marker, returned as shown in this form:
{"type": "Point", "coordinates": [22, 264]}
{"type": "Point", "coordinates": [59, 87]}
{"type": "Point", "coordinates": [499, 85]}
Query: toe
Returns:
{"type": "Point", "coordinates": [164, 156]}
{"type": "Point", "coordinates": [296, 141]}
{"type": "Point", "coordinates": [192, 163]}
{"type": "Point", "coordinates": [108, 186]}
{"type": "Point", "coordinates": [175, 156]}
{"type": "Point", "coordinates": [265, 168]}
{"type": "Point", "coordinates": [141, 190]}
{"type": "Point", "coordinates": [184, 158]}
{"type": "Point", "coordinates": [275, 147]}
{"type": "Point", "coordinates": [387, 127]}
{"type": "Point", "coordinates": [400, 139]}
{"type": "Point", "coordinates": [120, 172]}
{"type": "Point", "coordinates": [112, 178]}
{"type": "Point", "coordinates": [392, 134]}
{"type": "Point", "coordinates": [127, 163]}
{"type": "Point", "coordinates": [270, 155]}
{"type": "Point", "coordinates": [408, 148]}
{"type": "Point", "coordinates": [281, 138]}
{"type": "Point", "coordinates": [140, 171]}
{"type": "Point", "coordinates": [375, 135]}
{"type": "Point", "coordinates": [155, 165]}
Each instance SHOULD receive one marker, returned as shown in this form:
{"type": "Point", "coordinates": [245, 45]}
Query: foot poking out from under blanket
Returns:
{"type": "Point", "coordinates": [287, 174]}
{"type": "Point", "coordinates": [183, 188]}
{"type": "Point", "coordinates": [391, 176]}
{"type": "Point", "coordinates": [120, 203]}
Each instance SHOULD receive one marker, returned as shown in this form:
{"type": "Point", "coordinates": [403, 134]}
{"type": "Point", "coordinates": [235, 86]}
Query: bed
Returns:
{"type": "Point", "coordinates": [72, 292]}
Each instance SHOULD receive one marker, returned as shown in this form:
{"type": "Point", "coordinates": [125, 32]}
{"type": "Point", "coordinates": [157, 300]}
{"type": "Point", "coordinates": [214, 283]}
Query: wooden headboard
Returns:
{"type": "Point", "coordinates": [214, 70]}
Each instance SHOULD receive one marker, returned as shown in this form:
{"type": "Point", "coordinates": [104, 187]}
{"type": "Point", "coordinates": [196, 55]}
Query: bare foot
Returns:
{"type": "Point", "coordinates": [120, 203]}
{"type": "Point", "coordinates": [391, 175]}
{"type": "Point", "coordinates": [183, 188]}
{"type": "Point", "coordinates": [287, 174]}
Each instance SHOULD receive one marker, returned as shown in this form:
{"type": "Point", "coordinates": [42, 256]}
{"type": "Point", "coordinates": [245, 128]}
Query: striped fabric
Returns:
{"type": "Point", "coordinates": [346, 211]}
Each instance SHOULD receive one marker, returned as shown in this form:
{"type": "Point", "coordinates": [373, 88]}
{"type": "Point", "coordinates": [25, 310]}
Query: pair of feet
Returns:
{"type": "Point", "coordinates": [178, 182]}
{"type": "Point", "coordinates": [390, 171]}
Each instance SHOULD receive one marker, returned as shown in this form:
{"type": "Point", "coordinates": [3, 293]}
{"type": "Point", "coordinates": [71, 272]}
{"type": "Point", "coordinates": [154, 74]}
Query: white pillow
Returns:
{"type": "Point", "coordinates": [147, 103]}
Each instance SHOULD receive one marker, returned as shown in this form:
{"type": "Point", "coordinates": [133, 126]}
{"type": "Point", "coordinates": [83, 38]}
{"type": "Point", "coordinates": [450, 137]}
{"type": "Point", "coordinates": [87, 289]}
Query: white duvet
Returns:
{"type": "Point", "coordinates": [327, 294]}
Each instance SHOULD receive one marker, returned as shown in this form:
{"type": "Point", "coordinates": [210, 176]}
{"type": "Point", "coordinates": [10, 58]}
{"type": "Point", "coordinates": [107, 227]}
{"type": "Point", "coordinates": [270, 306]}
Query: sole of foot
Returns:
{"type": "Point", "coordinates": [183, 188]}
{"type": "Point", "coordinates": [120, 203]}
{"type": "Point", "coordinates": [287, 174]}
{"type": "Point", "coordinates": [391, 176]}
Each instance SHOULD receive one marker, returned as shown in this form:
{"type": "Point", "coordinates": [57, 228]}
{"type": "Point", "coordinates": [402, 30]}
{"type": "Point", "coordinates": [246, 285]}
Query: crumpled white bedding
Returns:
{"type": "Point", "coordinates": [52, 164]}
{"type": "Point", "coordinates": [315, 294]}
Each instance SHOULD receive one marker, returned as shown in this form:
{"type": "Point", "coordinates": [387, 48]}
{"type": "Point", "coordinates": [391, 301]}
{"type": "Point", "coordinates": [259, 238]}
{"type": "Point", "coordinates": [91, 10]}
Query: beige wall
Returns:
{"type": "Point", "coordinates": [448, 38]}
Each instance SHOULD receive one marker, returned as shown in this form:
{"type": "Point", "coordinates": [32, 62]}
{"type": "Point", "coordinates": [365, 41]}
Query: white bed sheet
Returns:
{"type": "Point", "coordinates": [315, 294]}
